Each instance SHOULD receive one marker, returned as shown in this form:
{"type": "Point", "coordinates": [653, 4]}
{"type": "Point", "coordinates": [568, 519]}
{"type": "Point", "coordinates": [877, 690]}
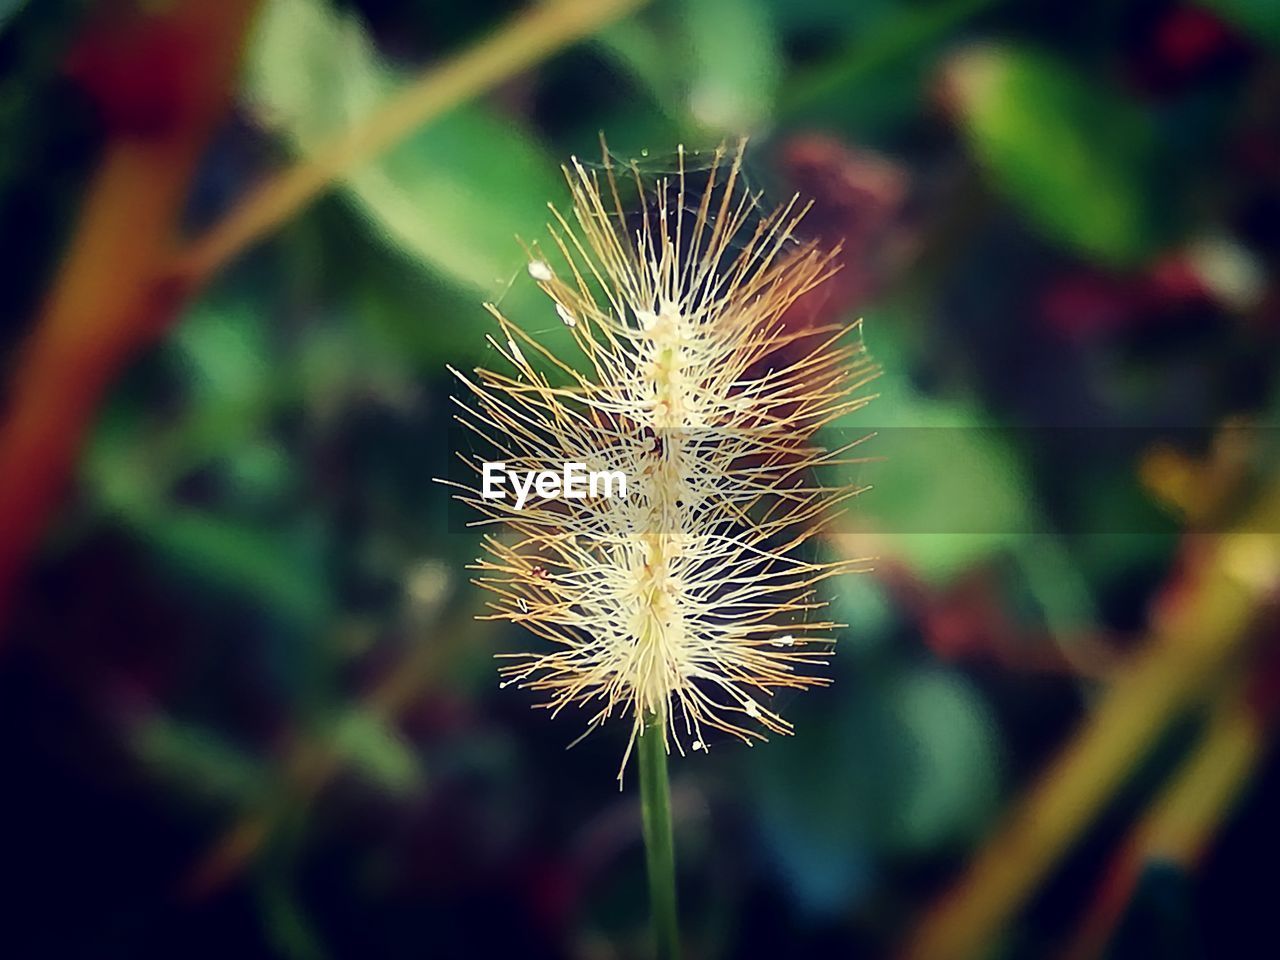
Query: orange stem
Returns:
{"type": "Point", "coordinates": [106, 299]}
{"type": "Point", "coordinates": [125, 276]}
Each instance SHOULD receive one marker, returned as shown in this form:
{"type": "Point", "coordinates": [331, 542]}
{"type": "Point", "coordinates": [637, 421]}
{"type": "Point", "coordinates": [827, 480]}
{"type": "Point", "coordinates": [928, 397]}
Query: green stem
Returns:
{"type": "Point", "coordinates": [659, 848]}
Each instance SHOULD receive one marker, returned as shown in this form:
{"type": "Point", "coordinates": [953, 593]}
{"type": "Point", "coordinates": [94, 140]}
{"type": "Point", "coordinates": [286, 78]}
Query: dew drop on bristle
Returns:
{"type": "Point", "coordinates": [515, 352]}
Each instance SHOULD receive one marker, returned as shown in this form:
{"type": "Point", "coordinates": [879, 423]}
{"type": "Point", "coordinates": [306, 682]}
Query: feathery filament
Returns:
{"type": "Point", "coordinates": [688, 599]}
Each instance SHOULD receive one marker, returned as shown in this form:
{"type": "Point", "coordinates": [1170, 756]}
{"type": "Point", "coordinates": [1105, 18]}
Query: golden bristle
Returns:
{"type": "Point", "coordinates": [687, 599]}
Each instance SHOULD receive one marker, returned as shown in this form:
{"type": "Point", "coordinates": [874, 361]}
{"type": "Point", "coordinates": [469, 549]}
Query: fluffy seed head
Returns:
{"type": "Point", "coordinates": [689, 600]}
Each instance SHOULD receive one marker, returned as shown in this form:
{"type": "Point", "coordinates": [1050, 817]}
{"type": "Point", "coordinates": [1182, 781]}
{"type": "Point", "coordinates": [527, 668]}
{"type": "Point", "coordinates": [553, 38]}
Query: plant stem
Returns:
{"type": "Point", "coordinates": [1196, 632]}
{"type": "Point", "coordinates": [111, 297]}
{"type": "Point", "coordinates": [526, 40]}
{"type": "Point", "coordinates": [107, 301]}
{"type": "Point", "coordinates": [659, 847]}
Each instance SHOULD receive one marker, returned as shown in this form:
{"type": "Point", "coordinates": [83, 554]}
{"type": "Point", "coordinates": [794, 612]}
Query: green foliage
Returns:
{"type": "Point", "coordinates": [735, 64]}
{"type": "Point", "coordinates": [454, 195]}
{"type": "Point", "coordinates": [953, 766]}
{"type": "Point", "coordinates": [949, 489]}
{"type": "Point", "coordinates": [933, 447]}
{"type": "Point", "coordinates": [270, 459]}
{"type": "Point", "coordinates": [1258, 18]}
{"type": "Point", "coordinates": [893, 52]}
{"type": "Point", "coordinates": [1075, 157]}
{"type": "Point", "coordinates": [200, 762]}
{"type": "Point", "coordinates": [8, 8]}
{"type": "Point", "coordinates": [713, 66]}
{"type": "Point", "coordinates": [377, 751]}
{"type": "Point", "coordinates": [908, 762]}
{"type": "Point", "coordinates": [268, 567]}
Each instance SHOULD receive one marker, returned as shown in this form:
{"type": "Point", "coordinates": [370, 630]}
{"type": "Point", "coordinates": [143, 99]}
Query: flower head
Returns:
{"type": "Point", "coordinates": [689, 600]}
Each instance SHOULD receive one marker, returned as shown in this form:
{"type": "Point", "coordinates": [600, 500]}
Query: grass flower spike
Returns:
{"type": "Point", "coordinates": [692, 601]}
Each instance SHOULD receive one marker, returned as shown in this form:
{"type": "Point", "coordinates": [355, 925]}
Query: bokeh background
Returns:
{"type": "Point", "coordinates": [245, 709]}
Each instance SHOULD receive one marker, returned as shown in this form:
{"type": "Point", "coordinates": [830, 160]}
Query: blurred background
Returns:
{"type": "Point", "coordinates": [246, 709]}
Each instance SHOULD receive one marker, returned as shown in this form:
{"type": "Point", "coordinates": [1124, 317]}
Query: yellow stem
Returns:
{"type": "Point", "coordinates": [526, 40]}
{"type": "Point", "coordinates": [1182, 820]}
{"type": "Point", "coordinates": [1188, 648]}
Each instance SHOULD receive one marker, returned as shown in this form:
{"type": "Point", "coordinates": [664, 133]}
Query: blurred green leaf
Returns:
{"type": "Point", "coordinates": [642, 50]}
{"type": "Point", "coordinates": [909, 761]}
{"type": "Point", "coordinates": [115, 467]}
{"type": "Point", "coordinates": [199, 761]}
{"type": "Point", "coordinates": [258, 564]}
{"type": "Point", "coordinates": [8, 8]}
{"type": "Point", "coordinates": [892, 41]}
{"type": "Point", "coordinates": [714, 66]}
{"type": "Point", "coordinates": [736, 64]}
{"type": "Point", "coordinates": [953, 767]}
{"type": "Point", "coordinates": [949, 490]}
{"type": "Point", "coordinates": [863, 602]}
{"type": "Point", "coordinates": [1258, 18]}
{"type": "Point", "coordinates": [287, 922]}
{"type": "Point", "coordinates": [833, 15]}
{"type": "Point", "coordinates": [233, 385]}
{"type": "Point", "coordinates": [222, 346]}
{"type": "Point", "coordinates": [236, 384]}
{"type": "Point", "coordinates": [1076, 158]}
{"type": "Point", "coordinates": [370, 745]}
{"type": "Point", "coordinates": [454, 195]}
{"type": "Point", "coordinates": [288, 926]}
{"type": "Point", "coordinates": [952, 490]}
